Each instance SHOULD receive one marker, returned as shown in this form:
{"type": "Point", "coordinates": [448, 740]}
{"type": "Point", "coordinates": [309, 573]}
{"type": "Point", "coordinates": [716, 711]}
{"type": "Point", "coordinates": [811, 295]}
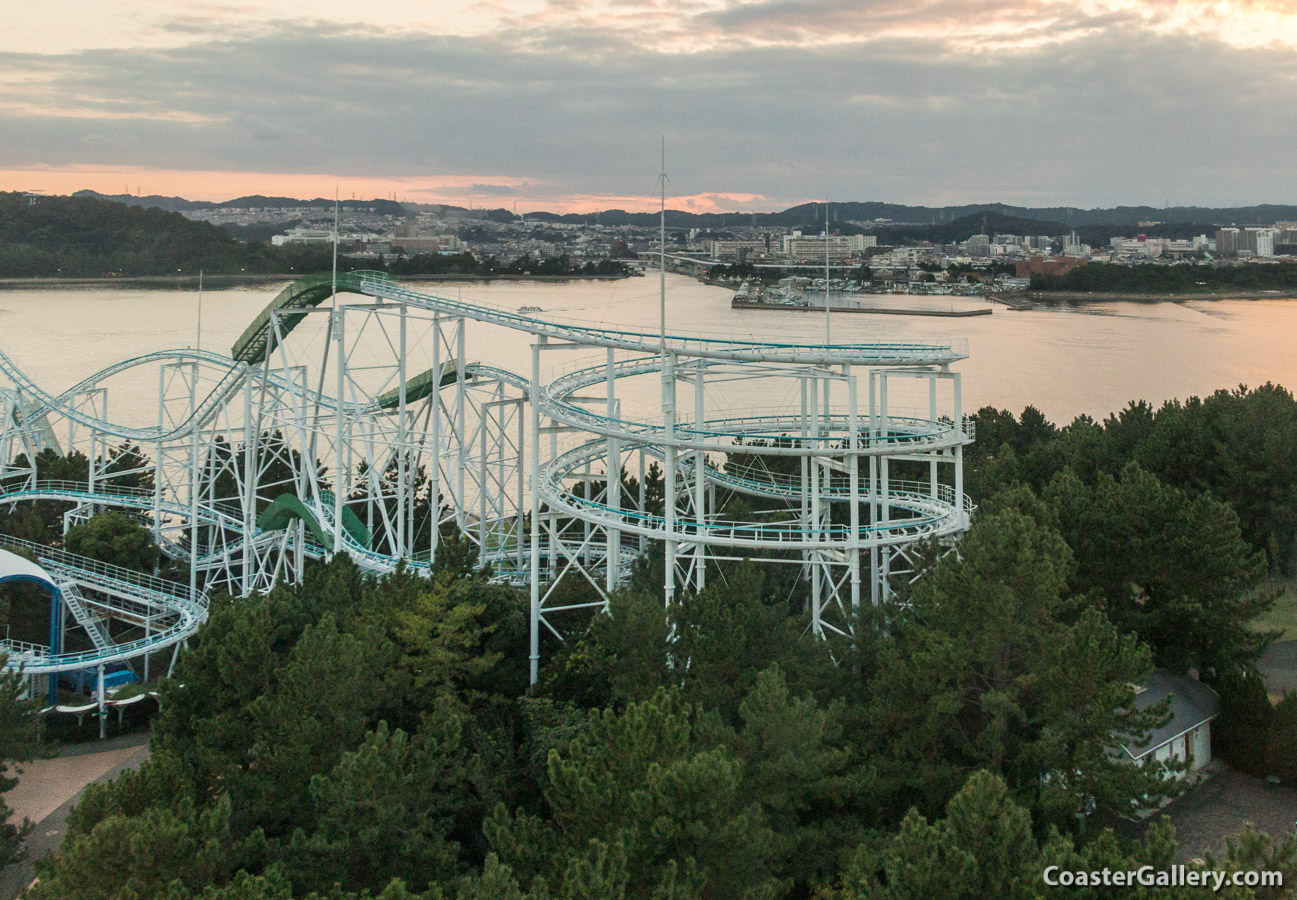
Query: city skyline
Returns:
{"type": "Point", "coordinates": [561, 104]}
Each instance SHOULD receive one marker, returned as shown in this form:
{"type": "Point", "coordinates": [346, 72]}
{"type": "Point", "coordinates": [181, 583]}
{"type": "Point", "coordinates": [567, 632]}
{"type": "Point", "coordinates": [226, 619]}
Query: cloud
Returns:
{"type": "Point", "coordinates": [493, 190]}
{"type": "Point", "coordinates": [1074, 108]}
{"type": "Point", "coordinates": [666, 26]}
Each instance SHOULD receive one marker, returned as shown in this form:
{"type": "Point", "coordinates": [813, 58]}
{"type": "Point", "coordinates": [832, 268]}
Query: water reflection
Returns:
{"type": "Point", "coordinates": [1063, 359]}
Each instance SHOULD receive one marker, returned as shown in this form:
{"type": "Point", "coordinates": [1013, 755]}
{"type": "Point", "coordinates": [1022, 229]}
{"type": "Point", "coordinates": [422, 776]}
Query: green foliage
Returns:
{"type": "Point", "coordinates": [350, 738]}
{"type": "Point", "coordinates": [87, 237]}
{"type": "Point", "coordinates": [456, 554]}
{"type": "Point", "coordinates": [330, 722]}
{"type": "Point", "coordinates": [1240, 446]}
{"type": "Point", "coordinates": [1240, 733]}
{"type": "Point", "coordinates": [623, 658]}
{"type": "Point", "coordinates": [1182, 279]}
{"type": "Point", "coordinates": [1253, 850]}
{"type": "Point", "coordinates": [1171, 514]}
{"type": "Point", "coordinates": [1281, 740]}
{"type": "Point", "coordinates": [712, 646]}
{"type": "Point", "coordinates": [640, 782]}
{"type": "Point", "coordinates": [389, 806]}
{"type": "Point", "coordinates": [452, 636]}
{"type": "Point", "coordinates": [163, 852]}
{"type": "Point", "coordinates": [116, 539]}
{"type": "Point", "coordinates": [497, 882]}
{"type": "Point", "coordinates": [798, 772]}
{"type": "Point", "coordinates": [986, 846]}
{"type": "Point", "coordinates": [725, 636]}
{"type": "Point", "coordinates": [1255, 735]}
{"type": "Point", "coordinates": [42, 521]}
{"type": "Point", "coordinates": [987, 671]}
{"type": "Point", "coordinates": [75, 237]}
{"type": "Point", "coordinates": [1173, 569]}
{"type": "Point", "coordinates": [815, 788]}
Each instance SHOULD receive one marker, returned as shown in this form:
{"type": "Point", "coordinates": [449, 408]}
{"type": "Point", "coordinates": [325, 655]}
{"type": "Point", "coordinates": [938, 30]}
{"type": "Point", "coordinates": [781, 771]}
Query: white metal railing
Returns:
{"type": "Point", "coordinates": [690, 343]}
{"type": "Point", "coordinates": [19, 487]}
{"type": "Point", "coordinates": [22, 648]}
{"type": "Point", "coordinates": [188, 607]}
{"type": "Point", "coordinates": [930, 514]}
{"type": "Point", "coordinates": [107, 488]}
{"type": "Point", "coordinates": [901, 424]}
{"type": "Point", "coordinates": [63, 560]}
{"type": "Point", "coordinates": [220, 393]}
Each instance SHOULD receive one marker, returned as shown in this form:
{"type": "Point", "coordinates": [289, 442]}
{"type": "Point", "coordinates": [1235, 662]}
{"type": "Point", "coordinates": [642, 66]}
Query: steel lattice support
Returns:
{"type": "Point", "coordinates": [358, 421]}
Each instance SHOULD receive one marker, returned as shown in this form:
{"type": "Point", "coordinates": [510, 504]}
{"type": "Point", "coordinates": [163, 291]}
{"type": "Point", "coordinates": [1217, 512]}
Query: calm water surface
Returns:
{"type": "Point", "coordinates": [1066, 361]}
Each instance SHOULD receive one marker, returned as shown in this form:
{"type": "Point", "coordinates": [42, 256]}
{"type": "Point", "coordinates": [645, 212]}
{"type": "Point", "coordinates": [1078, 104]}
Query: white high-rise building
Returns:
{"type": "Point", "coordinates": [800, 248]}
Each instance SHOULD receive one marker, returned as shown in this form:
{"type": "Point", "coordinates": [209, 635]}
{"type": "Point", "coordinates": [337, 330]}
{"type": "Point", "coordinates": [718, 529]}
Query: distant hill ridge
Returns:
{"type": "Point", "coordinates": [92, 237]}
{"type": "Point", "coordinates": [804, 214]}
{"type": "Point", "coordinates": [76, 237]}
{"type": "Point", "coordinates": [253, 201]}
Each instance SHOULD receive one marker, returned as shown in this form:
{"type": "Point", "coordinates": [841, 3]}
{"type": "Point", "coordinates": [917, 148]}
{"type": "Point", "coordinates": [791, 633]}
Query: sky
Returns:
{"type": "Point", "coordinates": [565, 104]}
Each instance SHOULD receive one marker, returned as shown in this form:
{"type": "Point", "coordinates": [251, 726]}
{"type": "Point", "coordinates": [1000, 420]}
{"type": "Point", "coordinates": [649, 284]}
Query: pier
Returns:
{"type": "Point", "coordinates": [876, 310]}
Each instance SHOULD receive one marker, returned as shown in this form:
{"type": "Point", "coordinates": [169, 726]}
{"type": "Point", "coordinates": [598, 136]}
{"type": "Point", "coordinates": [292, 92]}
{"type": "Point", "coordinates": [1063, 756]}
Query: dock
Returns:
{"type": "Point", "coordinates": [874, 310]}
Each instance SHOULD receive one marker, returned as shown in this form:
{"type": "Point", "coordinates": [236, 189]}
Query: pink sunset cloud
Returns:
{"type": "Point", "coordinates": [560, 104]}
{"type": "Point", "coordinates": [456, 190]}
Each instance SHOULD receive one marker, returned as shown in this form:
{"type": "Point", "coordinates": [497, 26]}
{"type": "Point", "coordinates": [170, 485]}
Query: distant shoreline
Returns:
{"type": "Point", "coordinates": [219, 281]}
{"type": "Point", "coordinates": [876, 310]}
{"type": "Point", "coordinates": [1129, 297]}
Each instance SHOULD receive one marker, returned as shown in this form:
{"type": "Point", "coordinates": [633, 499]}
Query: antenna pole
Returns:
{"type": "Point", "coordinates": [662, 248]}
{"type": "Point", "coordinates": [198, 343]}
{"type": "Point", "coordinates": [340, 464]}
{"type": "Point", "coordinates": [828, 333]}
{"type": "Point", "coordinates": [335, 251]}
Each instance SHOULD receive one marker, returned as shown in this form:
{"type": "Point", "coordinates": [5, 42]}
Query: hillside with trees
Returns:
{"type": "Point", "coordinates": [961, 229]}
{"type": "Point", "coordinates": [86, 237]}
{"type": "Point", "coordinates": [1152, 279]}
{"type": "Point", "coordinates": [82, 237]}
{"type": "Point", "coordinates": [1173, 221]}
{"type": "Point", "coordinates": [177, 204]}
{"type": "Point", "coordinates": [841, 213]}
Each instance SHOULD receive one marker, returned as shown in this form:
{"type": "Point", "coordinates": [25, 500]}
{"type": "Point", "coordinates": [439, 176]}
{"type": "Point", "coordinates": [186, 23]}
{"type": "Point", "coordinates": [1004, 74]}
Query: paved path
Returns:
{"type": "Point", "coordinates": [1220, 806]}
{"type": "Point", "coordinates": [1278, 666]}
{"type": "Point", "coordinates": [48, 789]}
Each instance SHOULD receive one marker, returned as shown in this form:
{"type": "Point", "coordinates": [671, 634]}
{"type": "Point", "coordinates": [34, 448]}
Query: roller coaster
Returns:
{"type": "Point", "coordinates": [350, 418]}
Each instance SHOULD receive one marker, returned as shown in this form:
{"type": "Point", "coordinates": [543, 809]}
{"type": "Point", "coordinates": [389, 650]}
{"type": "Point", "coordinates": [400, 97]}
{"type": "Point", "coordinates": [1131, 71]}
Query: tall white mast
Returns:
{"type": "Point", "coordinates": [662, 247]}
{"type": "Point", "coordinates": [340, 460]}
{"type": "Point", "coordinates": [198, 342]}
{"type": "Point", "coordinates": [828, 333]}
{"type": "Point", "coordinates": [335, 251]}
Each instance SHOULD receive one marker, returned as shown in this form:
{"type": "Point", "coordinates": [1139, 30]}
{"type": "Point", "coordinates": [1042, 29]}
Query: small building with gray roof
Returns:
{"type": "Point", "coordinates": [1186, 737]}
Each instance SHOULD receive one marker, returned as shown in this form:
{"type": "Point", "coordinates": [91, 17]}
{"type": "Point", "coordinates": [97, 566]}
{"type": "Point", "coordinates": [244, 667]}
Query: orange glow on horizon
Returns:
{"type": "Point", "coordinates": [507, 192]}
{"type": "Point", "coordinates": [666, 26]}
